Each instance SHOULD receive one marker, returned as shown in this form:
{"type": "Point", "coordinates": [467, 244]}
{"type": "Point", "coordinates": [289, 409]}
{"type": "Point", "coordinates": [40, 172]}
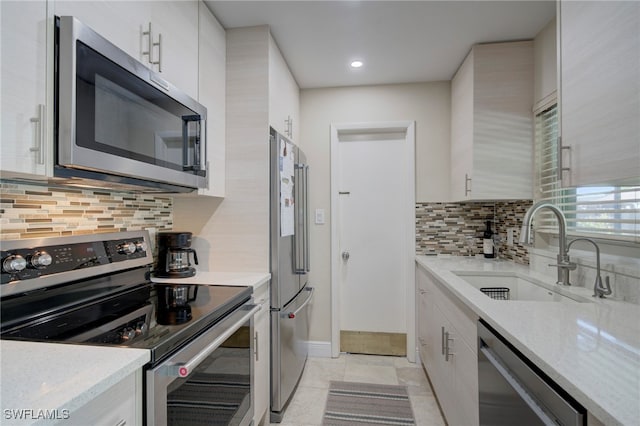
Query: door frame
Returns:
{"type": "Point", "coordinates": [409, 246]}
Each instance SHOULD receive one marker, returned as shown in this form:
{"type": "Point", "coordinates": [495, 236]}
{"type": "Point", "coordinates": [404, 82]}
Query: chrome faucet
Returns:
{"type": "Point", "coordinates": [564, 264]}
{"type": "Point", "coordinates": [598, 289]}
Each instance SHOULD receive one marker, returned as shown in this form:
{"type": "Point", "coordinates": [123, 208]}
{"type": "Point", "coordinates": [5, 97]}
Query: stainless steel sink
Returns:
{"type": "Point", "coordinates": [519, 287]}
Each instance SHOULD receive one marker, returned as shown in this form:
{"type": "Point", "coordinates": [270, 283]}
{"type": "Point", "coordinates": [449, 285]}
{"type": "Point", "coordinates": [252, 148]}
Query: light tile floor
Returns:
{"type": "Point", "coordinates": [307, 406]}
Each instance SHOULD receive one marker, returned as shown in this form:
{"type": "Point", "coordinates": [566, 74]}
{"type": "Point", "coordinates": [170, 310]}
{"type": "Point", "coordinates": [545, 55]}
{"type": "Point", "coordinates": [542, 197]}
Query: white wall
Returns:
{"type": "Point", "coordinates": [428, 104]}
{"type": "Point", "coordinates": [233, 234]}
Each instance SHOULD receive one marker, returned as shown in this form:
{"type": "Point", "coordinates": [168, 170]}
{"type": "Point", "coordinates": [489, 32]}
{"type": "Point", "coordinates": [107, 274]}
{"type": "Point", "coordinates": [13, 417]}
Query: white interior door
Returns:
{"type": "Point", "coordinates": [372, 202]}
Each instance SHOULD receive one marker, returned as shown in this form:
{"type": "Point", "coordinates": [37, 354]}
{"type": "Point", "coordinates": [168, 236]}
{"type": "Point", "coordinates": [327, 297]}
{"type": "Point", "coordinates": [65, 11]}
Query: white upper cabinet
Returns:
{"type": "Point", "coordinates": [284, 95]}
{"type": "Point", "coordinates": [175, 27]}
{"type": "Point", "coordinates": [492, 124]}
{"type": "Point", "coordinates": [120, 22]}
{"type": "Point", "coordinates": [171, 45]}
{"type": "Point", "coordinates": [24, 138]}
{"type": "Point", "coordinates": [599, 55]}
{"type": "Point", "coordinates": [211, 94]}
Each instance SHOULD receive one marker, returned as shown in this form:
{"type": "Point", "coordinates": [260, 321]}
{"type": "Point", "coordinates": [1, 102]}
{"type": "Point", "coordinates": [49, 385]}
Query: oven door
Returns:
{"type": "Point", "coordinates": [209, 379]}
{"type": "Point", "coordinates": [116, 117]}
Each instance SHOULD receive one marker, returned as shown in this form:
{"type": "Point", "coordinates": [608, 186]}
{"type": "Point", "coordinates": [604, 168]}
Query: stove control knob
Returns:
{"type": "Point", "coordinates": [14, 263]}
{"type": "Point", "coordinates": [141, 246]}
{"type": "Point", "coordinates": [141, 328]}
{"type": "Point", "coordinates": [128, 334]}
{"type": "Point", "coordinates": [127, 248]}
{"type": "Point", "coordinates": [40, 259]}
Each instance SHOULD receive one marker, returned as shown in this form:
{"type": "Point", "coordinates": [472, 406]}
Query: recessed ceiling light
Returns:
{"type": "Point", "coordinates": [356, 64]}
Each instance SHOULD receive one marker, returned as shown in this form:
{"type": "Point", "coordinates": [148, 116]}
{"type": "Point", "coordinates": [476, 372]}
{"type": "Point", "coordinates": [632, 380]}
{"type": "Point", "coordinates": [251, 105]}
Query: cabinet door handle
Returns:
{"type": "Point", "coordinates": [447, 353]}
{"type": "Point", "coordinates": [40, 132]}
{"type": "Point", "coordinates": [288, 122]}
{"type": "Point", "coordinates": [151, 45]}
{"type": "Point", "coordinates": [442, 341]}
{"type": "Point", "coordinates": [561, 167]}
{"type": "Point", "coordinates": [255, 351]}
{"type": "Point", "coordinates": [149, 51]}
{"type": "Point", "coordinates": [159, 61]}
{"type": "Point", "coordinates": [467, 184]}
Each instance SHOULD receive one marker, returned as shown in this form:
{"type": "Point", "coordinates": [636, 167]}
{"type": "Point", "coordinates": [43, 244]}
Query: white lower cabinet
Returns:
{"type": "Point", "coordinates": [119, 405]}
{"type": "Point", "coordinates": [447, 345]}
{"type": "Point", "coordinates": [262, 395]}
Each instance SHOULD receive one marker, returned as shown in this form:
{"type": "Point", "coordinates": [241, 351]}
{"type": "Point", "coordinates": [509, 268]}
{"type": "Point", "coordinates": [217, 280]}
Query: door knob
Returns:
{"type": "Point", "coordinates": [345, 255]}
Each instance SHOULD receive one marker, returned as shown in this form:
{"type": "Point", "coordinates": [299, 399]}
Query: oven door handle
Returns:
{"type": "Point", "coordinates": [184, 369]}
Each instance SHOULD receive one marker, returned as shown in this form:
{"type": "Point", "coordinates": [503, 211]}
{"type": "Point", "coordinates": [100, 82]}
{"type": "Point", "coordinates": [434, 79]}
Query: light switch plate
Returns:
{"type": "Point", "coordinates": [319, 216]}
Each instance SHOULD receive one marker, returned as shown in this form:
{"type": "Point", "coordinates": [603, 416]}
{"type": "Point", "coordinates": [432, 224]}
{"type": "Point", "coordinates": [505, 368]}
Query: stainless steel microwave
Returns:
{"type": "Point", "coordinates": [119, 122]}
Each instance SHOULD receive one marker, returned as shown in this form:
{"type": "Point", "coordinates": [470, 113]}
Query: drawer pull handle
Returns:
{"type": "Point", "coordinates": [447, 353]}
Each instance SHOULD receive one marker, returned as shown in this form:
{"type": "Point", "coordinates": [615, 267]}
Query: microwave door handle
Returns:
{"type": "Point", "coordinates": [185, 143]}
{"type": "Point", "coordinates": [186, 119]}
{"type": "Point", "coordinates": [196, 147]}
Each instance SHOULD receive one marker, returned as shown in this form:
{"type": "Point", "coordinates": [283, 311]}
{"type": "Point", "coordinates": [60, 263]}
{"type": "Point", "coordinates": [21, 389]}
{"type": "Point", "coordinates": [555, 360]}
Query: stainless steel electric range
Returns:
{"type": "Point", "coordinates": [95, 290]}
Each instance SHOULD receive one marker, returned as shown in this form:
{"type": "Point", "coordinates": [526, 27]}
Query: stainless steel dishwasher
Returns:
{"type": "Point", "coordinates": [514, 391]}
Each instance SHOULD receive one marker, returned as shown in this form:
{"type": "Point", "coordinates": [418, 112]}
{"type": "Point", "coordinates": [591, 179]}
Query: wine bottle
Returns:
{"type": "Point", "coordinates": [487, 242]}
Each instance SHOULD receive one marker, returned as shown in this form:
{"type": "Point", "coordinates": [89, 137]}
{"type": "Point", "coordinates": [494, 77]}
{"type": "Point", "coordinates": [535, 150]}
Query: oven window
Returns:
{"type": "Point", "coordinates": [121, 114]}
{"type": "Point", "coordinates": [219, 389]}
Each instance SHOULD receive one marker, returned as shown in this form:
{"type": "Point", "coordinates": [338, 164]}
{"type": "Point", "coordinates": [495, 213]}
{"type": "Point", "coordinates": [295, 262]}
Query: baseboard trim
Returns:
{"type": "Point", "coordinates": [319, 349]}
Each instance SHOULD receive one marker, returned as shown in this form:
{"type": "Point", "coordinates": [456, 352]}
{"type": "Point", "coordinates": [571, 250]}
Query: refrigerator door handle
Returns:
{"type": "Point", "coordinates": [293, 314]}
{"type": "Point", "coordinates": [307, 261]}
{"type": "Point", "coordinates": [301, 239]}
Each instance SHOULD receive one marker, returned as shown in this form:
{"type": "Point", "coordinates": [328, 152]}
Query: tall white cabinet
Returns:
{"type": "Point", "coordinates": [25, 33]}
{"type": "Point", "coordinates": [599, 58]}
{"type": "Point", "coordinates": [212, 53]}
{"type": "Point", "coordinates": [284, 95]}
{"type": "Point", "coordinates": [492, 124]}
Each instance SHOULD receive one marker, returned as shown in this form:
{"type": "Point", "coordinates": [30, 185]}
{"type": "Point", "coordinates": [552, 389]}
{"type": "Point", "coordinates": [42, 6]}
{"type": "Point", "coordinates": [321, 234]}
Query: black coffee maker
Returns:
{"type": "Point", "coordinates": [174, 255]}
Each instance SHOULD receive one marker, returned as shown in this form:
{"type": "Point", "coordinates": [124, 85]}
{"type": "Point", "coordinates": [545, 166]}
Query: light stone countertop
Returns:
{"type": "Point", "coordinates": [591, 349]}
{"type": "Point", "coordinates": [50, 376]}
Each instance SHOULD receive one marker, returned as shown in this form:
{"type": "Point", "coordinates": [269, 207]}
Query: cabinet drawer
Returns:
{"type": "Point", "coordinates": [454, 310]}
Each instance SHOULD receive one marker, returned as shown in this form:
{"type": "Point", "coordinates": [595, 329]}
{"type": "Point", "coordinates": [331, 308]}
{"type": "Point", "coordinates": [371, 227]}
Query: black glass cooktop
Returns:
{"type": "Point", "coordinates": [123, 310]}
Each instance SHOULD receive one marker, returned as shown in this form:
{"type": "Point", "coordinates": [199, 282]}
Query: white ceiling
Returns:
{"type": "Point", "coordinates": [398, 41]}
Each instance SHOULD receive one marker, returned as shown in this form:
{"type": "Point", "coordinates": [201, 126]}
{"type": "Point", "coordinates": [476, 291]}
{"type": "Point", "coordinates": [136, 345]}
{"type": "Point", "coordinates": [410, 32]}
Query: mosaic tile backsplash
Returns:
{"type": "Point", "coordinates": [457, 228]}
{"type": "Point", "coordinates": [37, 211]}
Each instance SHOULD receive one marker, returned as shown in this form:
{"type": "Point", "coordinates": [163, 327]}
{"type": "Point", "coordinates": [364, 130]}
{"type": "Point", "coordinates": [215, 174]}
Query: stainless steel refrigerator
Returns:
{"type": "Point", "coordinates": [291, 293]}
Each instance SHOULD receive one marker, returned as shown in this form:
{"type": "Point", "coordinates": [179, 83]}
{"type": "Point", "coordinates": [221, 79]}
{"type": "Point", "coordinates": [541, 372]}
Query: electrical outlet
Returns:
{"type": "Point", "coordinates": [319, 217]}
{"type": "Point", "coordinates": [509, 236]}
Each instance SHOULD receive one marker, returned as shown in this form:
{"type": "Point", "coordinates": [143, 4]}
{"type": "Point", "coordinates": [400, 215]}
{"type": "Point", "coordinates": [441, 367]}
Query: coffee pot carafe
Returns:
{"type": "Point", "coordinates": [174, 255]}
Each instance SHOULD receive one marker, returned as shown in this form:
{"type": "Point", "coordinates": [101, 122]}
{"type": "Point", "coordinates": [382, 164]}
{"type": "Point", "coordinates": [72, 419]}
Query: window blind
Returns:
{"type": "Point", "coordinates": [608, 211]}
